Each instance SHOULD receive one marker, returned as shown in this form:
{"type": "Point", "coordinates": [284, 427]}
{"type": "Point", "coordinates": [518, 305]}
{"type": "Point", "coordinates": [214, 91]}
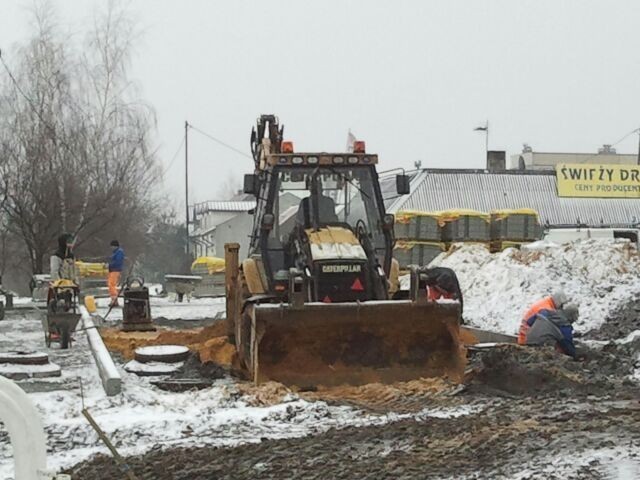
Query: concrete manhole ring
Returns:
{"type": "Point", "coordinates": [24, 358]}
{"type": "Point", "coordinates": [152, 369]}
{"type": "Point", "coordinates": [23, 372]}
{"type": "Point", "coordinates": [161, 353]}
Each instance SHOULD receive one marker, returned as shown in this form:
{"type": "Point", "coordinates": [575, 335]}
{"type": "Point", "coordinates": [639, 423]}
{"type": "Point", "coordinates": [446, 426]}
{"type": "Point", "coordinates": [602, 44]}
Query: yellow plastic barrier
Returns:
{"type": "Point", "coordinates": [89, 269]}
{"type": "Point", "coordinates": [212, 264]}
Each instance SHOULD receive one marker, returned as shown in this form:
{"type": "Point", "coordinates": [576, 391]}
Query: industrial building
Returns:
{"type": "Point", "coordinates": [497, 187]}
{"type": "Point", "coordinates": [528, 159]}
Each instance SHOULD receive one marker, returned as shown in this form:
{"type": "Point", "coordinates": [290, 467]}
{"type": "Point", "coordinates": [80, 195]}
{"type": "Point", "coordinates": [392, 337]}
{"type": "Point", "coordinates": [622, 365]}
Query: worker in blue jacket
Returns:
{"type": "Point", "coordinates": [116, 263]}
{"type": "Point", "coordinates": [554, 327]}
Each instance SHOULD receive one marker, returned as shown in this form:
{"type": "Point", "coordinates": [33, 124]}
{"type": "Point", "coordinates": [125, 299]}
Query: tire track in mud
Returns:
{"type": "Point", "coordinates": [493, 444]}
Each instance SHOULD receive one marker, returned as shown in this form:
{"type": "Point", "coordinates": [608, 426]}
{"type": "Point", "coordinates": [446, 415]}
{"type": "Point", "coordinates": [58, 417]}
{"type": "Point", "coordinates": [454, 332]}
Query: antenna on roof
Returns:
{"type": "Point", "coordinates": [417, 164]}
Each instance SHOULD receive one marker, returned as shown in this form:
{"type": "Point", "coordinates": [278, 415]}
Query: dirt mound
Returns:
{"type": "Point", "coordinates": [265, 394]}
{"type": "Point", "coordinates": [209, 342]}
{"type": "Point", "coordinates": [542, 371]}
{"type": "Point", "coordinates": [193, 368]}
{"type": "Point", "coordinates": [399, 397]}
{"type": "Point", "coordinates": [620, 323]}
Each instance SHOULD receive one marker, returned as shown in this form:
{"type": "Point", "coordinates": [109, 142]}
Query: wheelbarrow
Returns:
{"type": "Point", "coordinates": [58, 327]}
{"type": "Point", "coordinates": [62, 313]}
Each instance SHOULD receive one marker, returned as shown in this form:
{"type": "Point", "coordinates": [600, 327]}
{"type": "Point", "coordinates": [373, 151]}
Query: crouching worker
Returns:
{"type": "Point", "coordinates": [442, 282]}
{"type": "Point", "coordinates": [555, 327]}
{"type": "Point", "coordinates": [553, 302]}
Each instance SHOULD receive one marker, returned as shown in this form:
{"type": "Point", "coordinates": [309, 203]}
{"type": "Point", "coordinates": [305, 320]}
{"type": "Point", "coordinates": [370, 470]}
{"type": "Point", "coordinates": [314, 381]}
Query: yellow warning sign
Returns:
{"type": "Point", "coordinates": [589, 180]}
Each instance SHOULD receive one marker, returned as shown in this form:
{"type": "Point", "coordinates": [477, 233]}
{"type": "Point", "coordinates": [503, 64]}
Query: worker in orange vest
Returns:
{"type": "Point", "coordinates": [552, 303]}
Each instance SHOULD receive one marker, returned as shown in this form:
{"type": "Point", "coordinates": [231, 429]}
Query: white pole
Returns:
{"type": "Point", "coordinates": [26, 433]}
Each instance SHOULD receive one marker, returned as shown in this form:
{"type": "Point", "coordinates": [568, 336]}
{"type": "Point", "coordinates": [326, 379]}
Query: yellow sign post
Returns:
{"type": "Point", "coordinates": [604, 181]}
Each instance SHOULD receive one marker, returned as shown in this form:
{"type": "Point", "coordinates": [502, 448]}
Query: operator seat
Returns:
{"type": "Point", "coordinates": [326, 211]}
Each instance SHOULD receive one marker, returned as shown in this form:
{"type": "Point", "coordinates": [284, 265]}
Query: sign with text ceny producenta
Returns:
{"type": "Point", "coordinates": [590, 180]}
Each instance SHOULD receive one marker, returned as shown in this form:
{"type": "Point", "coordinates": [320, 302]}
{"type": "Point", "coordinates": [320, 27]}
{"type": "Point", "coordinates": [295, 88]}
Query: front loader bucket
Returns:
{"type": "Point", "coordinates": [328, 344]}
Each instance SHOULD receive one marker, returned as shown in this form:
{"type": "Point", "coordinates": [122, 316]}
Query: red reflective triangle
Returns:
{"type": "Point", "coordinates": [357, 286]}
{"type": "Point", "coordinates": [326, 299]}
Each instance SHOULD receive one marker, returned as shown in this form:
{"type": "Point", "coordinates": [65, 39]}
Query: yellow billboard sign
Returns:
{"type": "Point", "coordinates": [605, 181]}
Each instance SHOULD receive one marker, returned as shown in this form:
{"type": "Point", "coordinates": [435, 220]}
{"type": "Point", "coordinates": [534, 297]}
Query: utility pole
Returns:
{"type": "Point", "coordinates": [486, 141]}
{"type": "Point", "coordinates": [186, 182]}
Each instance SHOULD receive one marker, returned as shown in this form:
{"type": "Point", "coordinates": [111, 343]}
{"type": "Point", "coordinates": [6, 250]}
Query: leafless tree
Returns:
{"type": "Point", "coordinates": [75, 140]}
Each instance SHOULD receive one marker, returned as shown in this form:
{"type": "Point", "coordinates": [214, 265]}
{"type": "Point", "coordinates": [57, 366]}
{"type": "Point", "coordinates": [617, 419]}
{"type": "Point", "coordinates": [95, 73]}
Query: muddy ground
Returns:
{"type": "Point", "coordinates": [521, 413]}
{"type": "Point", "coordinates": [493, 443]}
{"type": "Point", "coordinates": [620, 323]}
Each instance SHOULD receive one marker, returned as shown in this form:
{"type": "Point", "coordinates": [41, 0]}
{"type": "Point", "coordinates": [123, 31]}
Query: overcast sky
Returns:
{"type": "Point", "coordinates": [411, 78]}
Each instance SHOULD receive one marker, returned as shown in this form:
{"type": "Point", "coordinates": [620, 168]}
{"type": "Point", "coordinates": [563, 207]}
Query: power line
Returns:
{"type": "Point", "coordinates": [226, 145]}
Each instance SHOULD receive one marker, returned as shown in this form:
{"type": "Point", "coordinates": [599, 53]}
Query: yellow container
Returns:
{"type": "Point", "coordinates": [90, 303]}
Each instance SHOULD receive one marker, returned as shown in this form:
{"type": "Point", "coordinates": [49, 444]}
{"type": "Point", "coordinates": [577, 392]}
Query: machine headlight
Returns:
{"type": "Point", "coordinates": [312, 160]}
{"type": "Point", "coordinates": [297, 160]}
{"type": "Point", "coordinates": [353, 160]}
{"type": "Point", "coordinates": [338, 160]}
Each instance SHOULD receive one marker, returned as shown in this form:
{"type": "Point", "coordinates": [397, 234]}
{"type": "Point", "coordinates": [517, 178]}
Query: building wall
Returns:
{"type": "Point", "coordinates": [213, 219]}
{"type": "Point", "coordinates": [548, 161]}
{"type": "Point", "coordinates": [237, 229]}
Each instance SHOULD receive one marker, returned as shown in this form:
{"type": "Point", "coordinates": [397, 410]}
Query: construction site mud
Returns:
{"type": "Point", "coordinates": [501, 440]}
{"type": "Point", "coordinates": [518, 413]}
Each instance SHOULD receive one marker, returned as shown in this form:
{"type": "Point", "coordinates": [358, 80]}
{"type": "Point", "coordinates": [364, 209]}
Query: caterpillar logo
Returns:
{"type": "Point", "coordinates": [349, 268]}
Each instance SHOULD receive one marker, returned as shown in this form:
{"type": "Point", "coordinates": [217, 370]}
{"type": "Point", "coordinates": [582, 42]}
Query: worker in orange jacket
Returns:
{"type": "Point", "coordinates": [552, 303]}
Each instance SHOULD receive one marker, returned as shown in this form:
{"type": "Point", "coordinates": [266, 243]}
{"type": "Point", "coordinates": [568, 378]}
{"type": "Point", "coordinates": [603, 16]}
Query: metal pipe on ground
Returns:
{"type": "Point", "coordinates": [109, 375]}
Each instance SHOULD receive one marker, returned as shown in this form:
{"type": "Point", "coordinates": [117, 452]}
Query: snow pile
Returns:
{"type": "Point", "coordinates": [597, 275]}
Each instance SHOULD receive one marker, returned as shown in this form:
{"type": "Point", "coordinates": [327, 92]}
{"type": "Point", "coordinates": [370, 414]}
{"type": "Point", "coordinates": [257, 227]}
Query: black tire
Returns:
{"type": "Point", "coordinates": [1, 311]}
{"type": "Point", "coordinates": [51, 306]}
{"type": "Point", "coordinates": [65, 338]}
{"type": "Point", "coordinates": [180, 298]}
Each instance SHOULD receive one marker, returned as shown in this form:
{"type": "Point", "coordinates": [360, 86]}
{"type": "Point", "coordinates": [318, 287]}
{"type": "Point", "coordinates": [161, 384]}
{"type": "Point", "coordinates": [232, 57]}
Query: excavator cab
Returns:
{"type": "Point", "coordinates": [314, 302]}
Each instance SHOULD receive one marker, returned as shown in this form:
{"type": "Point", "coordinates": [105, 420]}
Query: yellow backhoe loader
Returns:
{"type": "Point", "coordinates": [317, 300]}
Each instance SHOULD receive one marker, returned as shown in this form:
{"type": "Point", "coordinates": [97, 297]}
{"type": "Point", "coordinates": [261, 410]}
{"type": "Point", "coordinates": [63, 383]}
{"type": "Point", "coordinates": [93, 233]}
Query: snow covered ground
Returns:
{"type": "Point", "coordinates": [144, 416]}
{"type": "Point", "coordinates": [167, 307]}
{"type": "Point", "coordinates": [597, 275]}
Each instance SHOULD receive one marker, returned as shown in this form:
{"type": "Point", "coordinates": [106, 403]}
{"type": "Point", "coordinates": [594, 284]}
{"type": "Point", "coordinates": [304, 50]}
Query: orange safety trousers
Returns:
{"type": "Point", "coordinates": [544, 304]}
{"type": "Point", "coordinates": [112, 280]}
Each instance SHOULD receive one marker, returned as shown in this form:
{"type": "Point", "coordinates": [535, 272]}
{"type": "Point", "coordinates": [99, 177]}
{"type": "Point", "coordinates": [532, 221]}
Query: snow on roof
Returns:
{"type": "Point", "coordinates": [223, 206]}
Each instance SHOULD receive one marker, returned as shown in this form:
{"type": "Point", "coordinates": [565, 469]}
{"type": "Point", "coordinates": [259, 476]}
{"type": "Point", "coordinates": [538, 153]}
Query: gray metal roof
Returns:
{"type": "Point", "coordinates": [223, 206]}
{"type": "Point", "coordinates": [480, 190]}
